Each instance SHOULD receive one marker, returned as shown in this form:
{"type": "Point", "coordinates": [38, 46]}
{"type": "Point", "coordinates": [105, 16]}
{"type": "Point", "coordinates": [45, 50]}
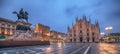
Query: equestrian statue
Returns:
{"type": "Point", "coordinates": [21, 15]}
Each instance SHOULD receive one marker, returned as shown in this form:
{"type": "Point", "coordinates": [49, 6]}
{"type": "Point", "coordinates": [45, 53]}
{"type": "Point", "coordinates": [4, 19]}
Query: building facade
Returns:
{"type": "Point", "coordinates": [105, 38]}
{"type": "Point", "coordinates": [57, 36]}
{"type": "Point", "coordinates": [7, 27]}
{"type": "Point", "coordinates": [42, 31]}
{"type": "Point", "coordinates": [114, 38]}
{"type": "Point", "coordinates": [84, 31]}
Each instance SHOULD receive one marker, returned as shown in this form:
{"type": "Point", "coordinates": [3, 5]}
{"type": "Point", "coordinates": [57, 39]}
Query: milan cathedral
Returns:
{"type": "Point", "coordinates": [84, 31]}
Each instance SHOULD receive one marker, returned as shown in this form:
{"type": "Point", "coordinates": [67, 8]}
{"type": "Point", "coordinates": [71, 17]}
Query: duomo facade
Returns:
{"type": "Point", "coordinates": [84, 31]}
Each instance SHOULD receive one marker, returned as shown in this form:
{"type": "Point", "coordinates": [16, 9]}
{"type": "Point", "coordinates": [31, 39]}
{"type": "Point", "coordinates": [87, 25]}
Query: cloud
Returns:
{"type": "Point", "coordinates": [58, 14]}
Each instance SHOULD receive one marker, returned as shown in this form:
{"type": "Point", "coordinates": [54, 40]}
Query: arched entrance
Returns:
{"type": "Point", "coordinates": [81, 39]}
{"type": "Point", "coordinates": [87, 39]}
{"type": "Point", "coordinates": [93, 39]}
{"type": "Point", "coordinates": [70, 40]}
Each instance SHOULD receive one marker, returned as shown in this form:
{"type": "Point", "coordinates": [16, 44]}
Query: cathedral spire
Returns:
{"type": "Point", "coordinates": [76, 18]}
{"type": "Point", "coordinates": [68, 28]}
{"type": "Point", "coordinates": [90, 20]}
{"type": "Point", "coordinates": [84, 17]}
{"type": "Point", "coordinates": [97, 23]}
{"type": "Point", "coordinates": [72, 23]}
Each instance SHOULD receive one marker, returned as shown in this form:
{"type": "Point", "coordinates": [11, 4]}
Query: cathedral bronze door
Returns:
{"type": "Point", "coordinates": [87, 39]}
{"type": "Point", "coordinates": [81, 39]}
{"type": "Point", "coordinates": [74, 40]}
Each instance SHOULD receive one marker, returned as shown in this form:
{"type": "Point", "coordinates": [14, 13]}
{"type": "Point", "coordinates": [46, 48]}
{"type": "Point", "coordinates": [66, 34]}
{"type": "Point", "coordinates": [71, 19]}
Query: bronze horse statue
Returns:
{"type": "Point", "coordinates": [21, 15]}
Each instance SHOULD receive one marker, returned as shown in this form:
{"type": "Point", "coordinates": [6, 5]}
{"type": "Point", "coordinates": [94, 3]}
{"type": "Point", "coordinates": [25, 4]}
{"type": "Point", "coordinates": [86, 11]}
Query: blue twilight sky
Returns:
{"type": "Point", "coordinates": [58, 14]}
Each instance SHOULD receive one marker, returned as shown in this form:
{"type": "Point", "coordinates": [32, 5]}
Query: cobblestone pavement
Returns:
{"type": "Point", "coordinates": [65, 48]}
{"type": "Point", "coordinates": [105, 48]}
{"type": "Point", "coordinates": [55, 48]}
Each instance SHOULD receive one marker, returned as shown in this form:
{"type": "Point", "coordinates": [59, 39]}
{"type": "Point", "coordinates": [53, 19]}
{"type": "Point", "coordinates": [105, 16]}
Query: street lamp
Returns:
{"type": "Point", "coordinates": [102, 33]}
{"type": "Point", "coordinates": [108, 28]}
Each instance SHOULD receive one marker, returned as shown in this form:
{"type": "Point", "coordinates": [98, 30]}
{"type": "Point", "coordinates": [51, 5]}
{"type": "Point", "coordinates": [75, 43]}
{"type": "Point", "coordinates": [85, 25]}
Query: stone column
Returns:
{"type": "Point", "coordinates": [72, 35]}
{"type": "Point", "coordinates": [11, 32]}
{"type": "Point", "coordinates": [5, 31]}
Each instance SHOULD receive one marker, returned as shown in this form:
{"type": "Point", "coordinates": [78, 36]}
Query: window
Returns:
{"type": "Point", "coordinates": [8, 31]}
{"type": "Point", "coordinates": [80, 26]}
{"type": "Point", "coordinates": [3, 25]}
{"type": "Point", "coordinates": [80, 31]}
{"type": "Point", "coordinates": [8, 26]}
{"type": "Point", "coordinates": [87, 34]}
{"type": "Point", "coordinates": [3, 29]}
{"type": "Point", "coordinates": [13, 26]}
{"type": "Point", "coordinates": [87, 29]}
{"type": "Point", "coordinates": [13, 31]}
{"type": "Point", "coordinates": [74, 34]}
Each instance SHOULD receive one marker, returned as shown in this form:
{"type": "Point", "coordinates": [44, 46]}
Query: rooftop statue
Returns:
{"type": "Point", "coordinates": [21, 15]}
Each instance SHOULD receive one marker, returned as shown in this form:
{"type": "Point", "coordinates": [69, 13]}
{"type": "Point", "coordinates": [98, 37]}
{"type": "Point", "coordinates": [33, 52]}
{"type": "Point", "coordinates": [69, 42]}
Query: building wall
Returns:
{"type": "Point", "coordinates": [114, 37]}
{"type": "Point", "coordinates": [84, 31]}
{"type": "Point", "coordinates": [7, 27]}
{"type": "Point", "coordinates": [57, 36]}
{"type": "Point", "coordinates": [42, 29]}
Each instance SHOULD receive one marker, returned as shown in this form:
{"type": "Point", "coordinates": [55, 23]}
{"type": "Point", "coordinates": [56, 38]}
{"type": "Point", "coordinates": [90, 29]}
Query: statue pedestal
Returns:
{"type": "Point", "coordinates": [23, 31]}
{"type": "Point", "coordinates": [23, 26]}
{"type": "Point", "coordinates": [22, 43]}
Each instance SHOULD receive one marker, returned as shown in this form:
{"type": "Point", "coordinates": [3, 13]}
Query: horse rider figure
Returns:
{"type": "Point", "coordinates": [22, 15]}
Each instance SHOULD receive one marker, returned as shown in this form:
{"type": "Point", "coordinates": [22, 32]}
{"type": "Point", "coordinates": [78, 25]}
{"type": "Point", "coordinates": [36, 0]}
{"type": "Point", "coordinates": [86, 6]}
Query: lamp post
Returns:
{"type": "Point", "coordinates": [108, 28]}
{"type": "Point", "coordinates": [102, 33]}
